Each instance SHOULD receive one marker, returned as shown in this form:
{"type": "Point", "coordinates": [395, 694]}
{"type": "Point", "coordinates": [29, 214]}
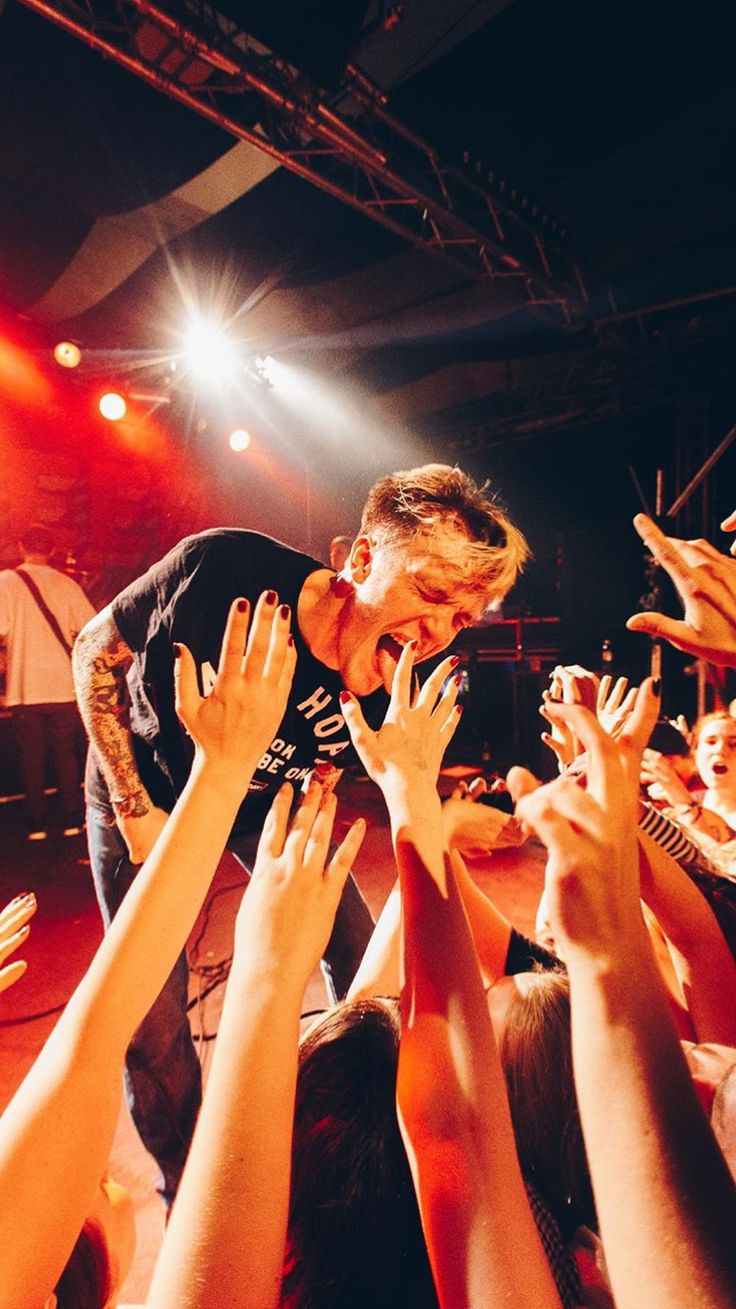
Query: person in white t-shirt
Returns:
{"type": "Point", "coordinates": [41, 611]}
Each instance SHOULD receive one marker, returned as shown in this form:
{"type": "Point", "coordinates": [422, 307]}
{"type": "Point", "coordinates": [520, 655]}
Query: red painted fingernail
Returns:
{"type": "Point", "coordinates": [455, 661]}
{"type": "Point", "coordinates": [458, 681]}
{"type": "Point", "coordinates": [291, 639]}
{"type": "Point", "coordinates": [412, 644]}
{"type": "Point", "coordinates": [270, 597]}
{"type": "Point", "coordinates": [458, 709]}
{"type": "Point", "coordinates": [177, 650]}
{"type": "Point", "coordinates": [241, 606]}
{"type": "Point", "coordinates": [344, 697]}
{"type": "Point", "coordinates": [285, 611]}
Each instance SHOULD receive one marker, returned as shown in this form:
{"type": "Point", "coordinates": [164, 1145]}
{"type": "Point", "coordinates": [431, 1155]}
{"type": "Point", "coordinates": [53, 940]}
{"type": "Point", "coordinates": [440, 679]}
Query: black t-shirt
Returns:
{"type": "Point", "coordinates": [186, 597]}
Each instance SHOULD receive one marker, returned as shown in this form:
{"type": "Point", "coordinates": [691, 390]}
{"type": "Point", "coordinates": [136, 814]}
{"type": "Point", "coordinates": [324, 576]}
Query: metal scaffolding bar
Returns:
{"type": "Point", "coordinates": [373, 163]}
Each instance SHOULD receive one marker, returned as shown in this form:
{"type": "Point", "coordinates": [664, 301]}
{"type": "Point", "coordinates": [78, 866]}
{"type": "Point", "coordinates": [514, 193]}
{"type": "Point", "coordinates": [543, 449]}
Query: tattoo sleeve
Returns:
{"type": "Point", "coordinates": [100, 661]}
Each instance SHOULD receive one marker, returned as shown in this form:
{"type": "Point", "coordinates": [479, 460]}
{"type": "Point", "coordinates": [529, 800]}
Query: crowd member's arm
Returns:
{"type": "Point", "coordinates": [481, 1237]}
{"type": "Point", "coordinates": [729, 525]}
{"type": "Point", "coordinates": [100, 661]}
{"type": "Point", "coordinates": [703, 962]}
{"type": "Point", "coordinates": [706, 584]}
{"type": "Point", "coordinates": [467, 824]}
{"type": "Point", "coordinates": [665, 1200]}
{"type": "Point", "coordinates": [226, 1240]}
{"type": "Point", "coordinates": [14, 931]}
{"type": "Point", "coordinates": [56, 1133]}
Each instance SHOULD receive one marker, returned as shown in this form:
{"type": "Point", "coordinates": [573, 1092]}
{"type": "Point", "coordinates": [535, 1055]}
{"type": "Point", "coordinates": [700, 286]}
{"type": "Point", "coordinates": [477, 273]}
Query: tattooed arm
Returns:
{"type": "Point", "coordinates": [100, 661]}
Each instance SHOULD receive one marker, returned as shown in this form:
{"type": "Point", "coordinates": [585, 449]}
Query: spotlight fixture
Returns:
{"type": "Point", "coordinates": [208, 352]}
{"type": "Point", "coordinates": [67, 354]}
{"type": "Point", "coordinates": [239, 440]}
{"type": "Point", "coordinates": [266, 368]}
{"type": "Point", "coordinates": [112, 406]}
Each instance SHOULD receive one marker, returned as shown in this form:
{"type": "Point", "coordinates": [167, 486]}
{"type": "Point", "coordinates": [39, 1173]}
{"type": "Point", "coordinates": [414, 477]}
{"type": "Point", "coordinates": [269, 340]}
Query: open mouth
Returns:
{"type": "Point", "coordinates": [388, 651]}
{"type": "Point", "coordinates": [719, 769]}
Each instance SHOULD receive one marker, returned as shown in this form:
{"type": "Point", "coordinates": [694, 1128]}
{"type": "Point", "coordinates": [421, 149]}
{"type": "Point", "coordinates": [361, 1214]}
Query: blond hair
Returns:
{"type": "Point", "coordinates": [418, 501]}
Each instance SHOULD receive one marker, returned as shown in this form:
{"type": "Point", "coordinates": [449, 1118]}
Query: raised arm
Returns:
{"type": "Point", "coordinates": [100, 661]}
{"type": "Point", "coordinates": [56, 1133]}
{"type": "Point", "coordinates": [482, 1241]}
{"type": "Point", "coordinates": [703, 962]}
{"type": "Point", "coordinates": [665, 1200]}
{"type": "Point", "coordinates": [226, 1240]}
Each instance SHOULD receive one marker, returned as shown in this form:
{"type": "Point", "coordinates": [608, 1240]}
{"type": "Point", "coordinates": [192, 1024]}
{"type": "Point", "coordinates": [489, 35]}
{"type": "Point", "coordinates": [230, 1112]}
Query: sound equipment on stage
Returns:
{"type": "Point", "coordinates": [504, 671]}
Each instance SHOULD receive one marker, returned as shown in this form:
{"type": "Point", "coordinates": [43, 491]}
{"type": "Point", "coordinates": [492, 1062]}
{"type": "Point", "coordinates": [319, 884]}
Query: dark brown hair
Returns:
{"type": "Point", "coordinates": [86, 1282]}
{"type": "Point", "coordinates": [536, 1053]}
{"type": "Point", "coordinates": [355, 1237]}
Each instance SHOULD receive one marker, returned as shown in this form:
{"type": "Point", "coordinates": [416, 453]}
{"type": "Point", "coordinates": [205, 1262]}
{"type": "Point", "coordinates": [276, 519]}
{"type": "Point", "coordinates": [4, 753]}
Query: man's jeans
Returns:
{"type": "Point", "coordinates": [49, 734]}
{"type": "Point", "coordinates": [162, 1077]}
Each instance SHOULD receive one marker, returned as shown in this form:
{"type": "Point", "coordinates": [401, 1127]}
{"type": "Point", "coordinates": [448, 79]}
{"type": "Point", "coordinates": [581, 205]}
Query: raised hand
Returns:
{"type": "Point", "coordinates": [729, 525]}
{"type": "Point", "coordinates": [14, 931]}
{"type": "Point", "coordinates": [474, 828]}
{"type": "Point", "coordinates": [592, 877]}
{"type": "Point", "coordinates": [415, 733]}
{"type": "Point", "coordinates": [706, 584]}
{"type": "Point", "coordinates": [292, 898]}
{"type": "Point", "coordinates": [614, 703]}
{"type": "Point", "coordinates": [571, 684]}
{"type": "Point", "coordinates": [233, 725]}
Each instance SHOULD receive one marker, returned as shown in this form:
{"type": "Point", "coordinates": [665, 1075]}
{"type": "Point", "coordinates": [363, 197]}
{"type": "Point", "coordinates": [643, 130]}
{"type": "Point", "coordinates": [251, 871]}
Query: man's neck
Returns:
{"type": "Point", "coordinates": [35, 559]}
{"type": "Point", "coordinates": [318, 610]}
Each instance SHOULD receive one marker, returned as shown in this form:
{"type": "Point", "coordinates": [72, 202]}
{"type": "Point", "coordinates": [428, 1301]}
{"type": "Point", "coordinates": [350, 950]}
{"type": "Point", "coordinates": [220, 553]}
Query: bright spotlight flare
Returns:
{"type": "Point", "coordinates": [112, 406]}
{"type": "Point", "coordinates": [67, 354]}
{"type": "Point", "coordinates": [209, 353]}
{"type": "Point", "coordinates": [239, 440]}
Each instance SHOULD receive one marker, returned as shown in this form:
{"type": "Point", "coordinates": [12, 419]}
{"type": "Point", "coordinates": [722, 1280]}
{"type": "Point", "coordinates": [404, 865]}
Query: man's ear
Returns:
{"type": "Point", "coordinates": [360, 560]}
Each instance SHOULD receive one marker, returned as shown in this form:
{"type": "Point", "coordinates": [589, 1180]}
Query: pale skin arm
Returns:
{"type": "Point", "coordinates": [55, 1135]}
{"type": "Point", "coordinates": [226, 1240]}
{"type": "Point", "coordinates": [451, 1096]}
{"type": "Point", "coordinates": [667, 1215]}
{"type": "Point", "coordinates": [100, 661]}
{"type": "Point", "coordinates": [378, 973]}
{"type": "Point", "coordinates": [703, 962]}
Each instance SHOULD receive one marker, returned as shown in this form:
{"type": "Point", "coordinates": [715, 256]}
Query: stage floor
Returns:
{"type": "Point", "coordinates": [66, 930]}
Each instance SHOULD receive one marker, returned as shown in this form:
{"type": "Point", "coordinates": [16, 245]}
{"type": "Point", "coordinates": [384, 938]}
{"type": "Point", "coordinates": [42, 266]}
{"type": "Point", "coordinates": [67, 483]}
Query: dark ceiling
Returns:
{"type": "Point", "coordinates": [607, 130]}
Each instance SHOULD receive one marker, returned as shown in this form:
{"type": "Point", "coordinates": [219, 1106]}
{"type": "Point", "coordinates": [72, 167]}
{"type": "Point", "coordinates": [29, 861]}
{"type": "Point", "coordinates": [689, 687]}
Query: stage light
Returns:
{"type": "Point", "coordinates": [266, 368]}
{"type": "Point", "coordinates": [67, 354]}
{"type": "Point", "coordinates": [208, 352]}
{"type": "Point", "coordinates": [239, 440]}
{"type": "Point", "coordinates": [112, 407]}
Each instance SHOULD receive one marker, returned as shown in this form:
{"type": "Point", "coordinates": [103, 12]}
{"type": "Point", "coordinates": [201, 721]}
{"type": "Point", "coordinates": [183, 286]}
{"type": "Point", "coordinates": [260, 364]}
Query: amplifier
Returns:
{"type": "Point", "coordinates": [533, 640]}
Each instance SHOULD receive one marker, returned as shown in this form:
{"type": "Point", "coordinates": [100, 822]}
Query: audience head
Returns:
{"type": "Point", "coordinates": [714, 747]}
{"type": "Point", "coordinates": [531, 1018]}
{"type": "Point", "coordinates": [37, 542]}
{"type": "Point", "coordinates": [339, 551]}
{"type": "Point", "coordinates": [355, 1237]}
{"type": "Point", "coordinates": [102, 1255]}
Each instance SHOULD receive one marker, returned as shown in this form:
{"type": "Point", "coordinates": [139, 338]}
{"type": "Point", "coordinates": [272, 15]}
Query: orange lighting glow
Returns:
{"type": "Point", "coordinates": [239, 440]}
{"type": "Point", "coordinates": [67, 354]}
{"type": "Point", "coordinates": [112, 407]}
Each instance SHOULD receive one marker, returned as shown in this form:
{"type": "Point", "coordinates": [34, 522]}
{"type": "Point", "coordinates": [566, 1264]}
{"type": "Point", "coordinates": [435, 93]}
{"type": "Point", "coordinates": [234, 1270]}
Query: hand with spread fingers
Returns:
{"type": "Point", "coordinates": [234, 724]}
{"type": "Point", "coordinates": [706, 584]}
{"type": "Point", "coordinates": [416, 730]}
{"type": "Point", "coordinates": [289, 911]}
{"type": "Point", "coordinates": [14, 930]}
{"type": "Point", "coordinates": [592, 880]}
{"type": "Point", "coordinates": [473, 827]}
{"type": "Point", "coordinates": [614, 703]}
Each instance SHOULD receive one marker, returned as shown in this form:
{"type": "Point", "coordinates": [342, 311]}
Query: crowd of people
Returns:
{"type": "Point", "coordinates": [479, 1119]}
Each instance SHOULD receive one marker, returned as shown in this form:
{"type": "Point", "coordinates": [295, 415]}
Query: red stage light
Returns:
{"type": "Point", "coordinates": [67, 354]}
{"type": "Point", "coordinates": [112, 406]}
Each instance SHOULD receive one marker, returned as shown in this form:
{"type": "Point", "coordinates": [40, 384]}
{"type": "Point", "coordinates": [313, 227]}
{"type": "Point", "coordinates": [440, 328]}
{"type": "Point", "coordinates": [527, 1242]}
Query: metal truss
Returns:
{"type": "Point", "coordinates": [348, 143]}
